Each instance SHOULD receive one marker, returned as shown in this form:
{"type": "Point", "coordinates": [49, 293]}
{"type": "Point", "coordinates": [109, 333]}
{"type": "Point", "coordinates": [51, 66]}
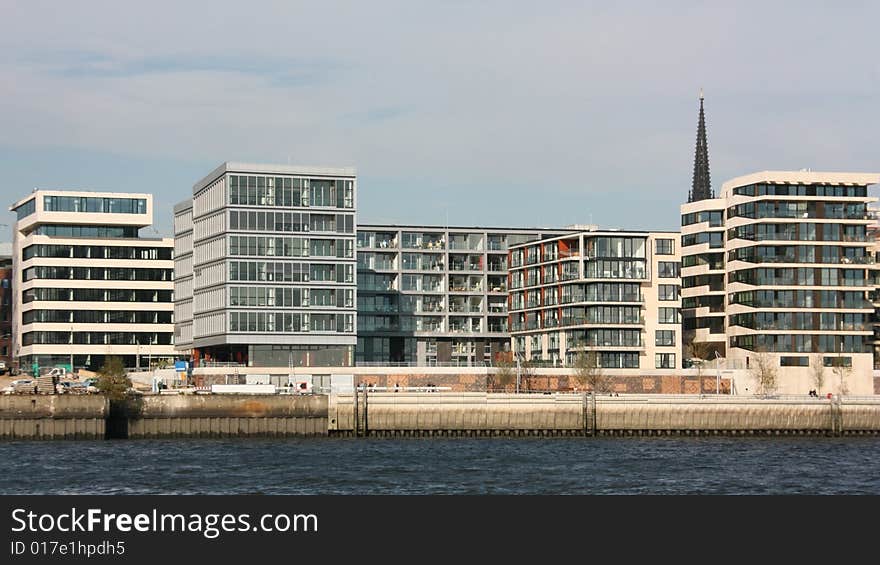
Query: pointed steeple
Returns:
{"type": "Point", "coordinates": [702, 185]}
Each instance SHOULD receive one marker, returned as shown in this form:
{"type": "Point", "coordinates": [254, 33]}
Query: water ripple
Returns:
{"type": "Point", "coordinates": [445, 466]}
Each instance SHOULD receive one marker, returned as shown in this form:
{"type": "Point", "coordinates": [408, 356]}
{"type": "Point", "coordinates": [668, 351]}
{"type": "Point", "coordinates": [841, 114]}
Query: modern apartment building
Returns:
{"type": "Point", "coordinates": [183, 278]}
{"type": "Point", "coordinates": [612, 292]}
{"type": "Point", "coordinates": [6, 295]}
{"type": "Point", "coordinates": [271, 276]}
{"type": "Point", "coordinates": [430, 295]}
{"type": "Point", "coordinates": [791, 270]}
{"type": "Point", "coordinates": [87, 285]}
{"type": "Point", "coordinates": [874, 275]}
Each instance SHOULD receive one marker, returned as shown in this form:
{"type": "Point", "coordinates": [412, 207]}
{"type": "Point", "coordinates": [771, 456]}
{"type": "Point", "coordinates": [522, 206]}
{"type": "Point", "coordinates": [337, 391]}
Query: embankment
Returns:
{"type": "Point", "coordinates": [52, 417]}
{"type": "Point", "coordinates": [429, 414]}
{"type": "Point", "coordinates": [168, 416]}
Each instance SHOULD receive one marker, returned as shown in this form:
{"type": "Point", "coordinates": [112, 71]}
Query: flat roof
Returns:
{"type": "Point", "coordinates": [78, 192]}
{"type": "Point", "coordinates": [272, 169]}
{"type": "Point", "coordinates": [457, 228]}
{"type": "Point", "coordinates": [599, 233]}
{"type": "Point", "coordinates": [185, 205]}
{"type": "Point", "coordinates": [802, 177]}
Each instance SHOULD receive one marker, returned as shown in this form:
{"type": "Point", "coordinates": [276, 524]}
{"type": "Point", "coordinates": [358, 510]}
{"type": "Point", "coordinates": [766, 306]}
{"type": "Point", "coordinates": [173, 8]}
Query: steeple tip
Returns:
{"type": "Point", "coordinates": [701, 188]}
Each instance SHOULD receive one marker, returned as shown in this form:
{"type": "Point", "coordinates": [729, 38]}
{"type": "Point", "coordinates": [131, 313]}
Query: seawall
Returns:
{"type": "Point", "coordinates": [52, 417]}
{"type": "Point", "coordinates": [469, 414]}
{"type": "Point", "coordinates": [429, 414]}
{"type": "Point", "coordinates": [166, 416]}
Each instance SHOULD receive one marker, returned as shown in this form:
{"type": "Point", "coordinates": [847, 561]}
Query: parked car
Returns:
{"type": "Point", "coordinates": [91, 384]}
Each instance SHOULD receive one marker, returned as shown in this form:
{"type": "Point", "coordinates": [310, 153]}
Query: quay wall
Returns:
{"type": "Point", "coordinates": [34, 416]}
{"type": "Point", "coordinates": [389, 413]}
{"type": "Point", "coordinates": [166, 416]}
{"type": "Point", "coordinates": [428, 414]}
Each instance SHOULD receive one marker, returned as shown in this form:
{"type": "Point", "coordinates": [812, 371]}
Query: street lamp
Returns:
{"type": "Point", "coordinates": [717, 372]}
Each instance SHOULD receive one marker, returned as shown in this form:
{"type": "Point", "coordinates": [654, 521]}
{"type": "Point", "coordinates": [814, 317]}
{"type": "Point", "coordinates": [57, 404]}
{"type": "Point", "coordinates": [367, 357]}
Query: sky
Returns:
{"type": "Point", "coordinates": [461, 113]}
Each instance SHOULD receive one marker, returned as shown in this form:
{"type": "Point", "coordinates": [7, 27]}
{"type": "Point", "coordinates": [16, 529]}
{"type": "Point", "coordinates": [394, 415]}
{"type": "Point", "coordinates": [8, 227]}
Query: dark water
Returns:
{"type": "Point", "coordinates": [445, 466]}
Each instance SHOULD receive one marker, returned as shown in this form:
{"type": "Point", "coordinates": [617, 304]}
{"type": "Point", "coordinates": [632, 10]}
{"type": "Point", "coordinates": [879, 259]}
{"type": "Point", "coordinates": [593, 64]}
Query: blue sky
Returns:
{"type": "Point", "coordinates": [475, 113]}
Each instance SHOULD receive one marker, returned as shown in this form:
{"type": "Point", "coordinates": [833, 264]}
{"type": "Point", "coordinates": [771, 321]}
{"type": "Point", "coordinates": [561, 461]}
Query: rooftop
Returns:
{"type": "Point", "coordinates": [273, 169]}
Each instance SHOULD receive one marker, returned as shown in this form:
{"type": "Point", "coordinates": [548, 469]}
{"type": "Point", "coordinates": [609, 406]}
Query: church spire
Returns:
{"type": "Point", "coordinates": [702, 186]}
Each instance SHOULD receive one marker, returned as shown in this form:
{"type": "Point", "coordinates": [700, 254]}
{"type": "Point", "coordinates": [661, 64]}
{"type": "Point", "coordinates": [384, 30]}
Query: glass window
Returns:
{"type": "Point", "coordinates": [668, 315]}
{"type": "Point", "coordinates": [664, 338]}
{"type": "Point", "coordinates": [668, 269]}
{"type": "Point", "coordinates": [665, 246]}
{"type": "Point", "coordinates": [668, 291]}
{"type": "Point", "coordinates": [26, 209]}
{"type": "Point", "coordinates": [664, 360]}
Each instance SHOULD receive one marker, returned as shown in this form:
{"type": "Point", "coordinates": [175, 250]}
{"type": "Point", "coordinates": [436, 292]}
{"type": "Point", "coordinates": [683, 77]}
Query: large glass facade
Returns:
{"type": "Point", "coordinates": [92, 204]}
{"type": "Point", "coordinates": [64, 230]}
{"type": "Point", "coordinates": [258, 190]}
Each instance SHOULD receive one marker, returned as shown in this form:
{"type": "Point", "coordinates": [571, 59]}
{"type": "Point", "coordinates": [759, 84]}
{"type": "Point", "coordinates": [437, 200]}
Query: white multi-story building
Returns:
{"type": "Point", "coordinates": [613, 293]}
{"type": "Point", "coordinates": [87, 285]}
{"type": "Point", "coordinates": [267, 266]}
{"type": "Point", "coordinates": [779, 268]}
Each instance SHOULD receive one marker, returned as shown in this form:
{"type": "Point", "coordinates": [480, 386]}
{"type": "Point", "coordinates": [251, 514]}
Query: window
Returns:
{"type": "Point", "coordinates": [794, 361]}
{"type": "Point", "coordinates": [664, 360]}
{"type": "Point", "coordinates": [26, 209]}
{"type": "Point", "coordinates": [94, 204]}
{"type": "Point", "coordinates": [665, 246]}
{"type": "Point", "coordinates": [664, 338]}
{"type": "Point", "coordinates": [668, 315]}
{"type": "Point", "coordinates": [667, 269]}
{"type": "Point", "coordinates": [837, 361]}
{"type": "Point", "coordinates": [668, 292]}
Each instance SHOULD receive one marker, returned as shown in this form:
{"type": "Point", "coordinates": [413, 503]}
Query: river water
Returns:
{"type": "Point", "coordinates": [807, 465]}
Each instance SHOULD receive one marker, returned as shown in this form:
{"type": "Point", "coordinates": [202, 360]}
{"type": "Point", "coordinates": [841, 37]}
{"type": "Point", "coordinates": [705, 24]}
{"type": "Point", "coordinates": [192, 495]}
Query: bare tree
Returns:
{"type": "Point", "coordinates": [842, 369]}
{"type": "Point", "coordinates": [505, 374]}
{"type": "Point", "coordinates": [764, 371]}
{"type": "Point", "coordinates": [698, 352]}
{"type": "Point", "coordinates": [588, 373]}
{"type": "Point", "coordinates": [817, 370]}
{"type": "Point", "coordinates": [527, 372]}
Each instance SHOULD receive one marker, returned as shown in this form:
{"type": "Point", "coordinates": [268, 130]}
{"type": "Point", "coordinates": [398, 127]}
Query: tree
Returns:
{"type": "Point", "coordinates": [505, 373]}
{"type": "Point", "coordinates": [698, 352]}
{"type": "Point", "coordinates": [764, 371]}
{"type": "Point", "coordinates": [112, 379]}
{"type": "Point", "coordinates": [817, 370]}
{"type": "Point", "coordinates": [588, 373]}
{"type": "Point", "coordinates": [526, 372]}
{"type": "Point", "coordinates": [842, 369]}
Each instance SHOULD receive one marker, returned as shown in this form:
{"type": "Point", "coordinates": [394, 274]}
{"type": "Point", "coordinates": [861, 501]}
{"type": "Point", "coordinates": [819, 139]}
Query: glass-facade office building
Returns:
{"type": "Point", "coordinates": [266, 267]}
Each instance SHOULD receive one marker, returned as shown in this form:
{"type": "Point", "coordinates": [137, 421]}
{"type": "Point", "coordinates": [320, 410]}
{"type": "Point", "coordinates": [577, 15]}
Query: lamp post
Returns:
{"type": "Point", "coordinates": [717, 373]}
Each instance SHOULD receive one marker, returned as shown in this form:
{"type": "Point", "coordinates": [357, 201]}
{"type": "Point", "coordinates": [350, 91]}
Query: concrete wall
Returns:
{"type": "Point", "coordinates": [52, 417]}
{"type": "Point", "coordinates": [222, 416]}
{"type": "Point", "coordinates": [389, 413]}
